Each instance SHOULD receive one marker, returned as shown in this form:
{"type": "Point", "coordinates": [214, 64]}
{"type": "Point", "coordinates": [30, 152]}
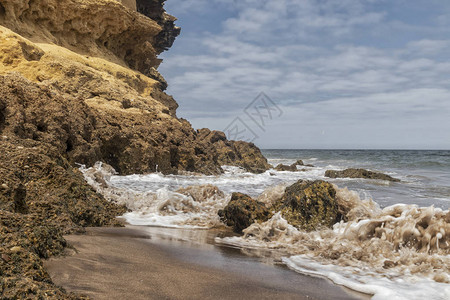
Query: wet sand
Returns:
{"type": "Point", "coordinates": [152, 263]}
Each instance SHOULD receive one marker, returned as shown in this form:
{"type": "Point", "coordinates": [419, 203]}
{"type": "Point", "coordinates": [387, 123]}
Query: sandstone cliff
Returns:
{"type": "Point", "coordinates": [79, 84]}
{"type": "Point", "coordinates": [100, 58]}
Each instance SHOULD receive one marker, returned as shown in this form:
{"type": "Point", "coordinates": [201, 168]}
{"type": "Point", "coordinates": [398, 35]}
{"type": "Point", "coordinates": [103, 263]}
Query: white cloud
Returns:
{"type": "Point", "coordinates": [297, 19]}
{"type": "Point", "coordinates": [318, 61]}
{"type": "Point", "coordinates": [429, 47]}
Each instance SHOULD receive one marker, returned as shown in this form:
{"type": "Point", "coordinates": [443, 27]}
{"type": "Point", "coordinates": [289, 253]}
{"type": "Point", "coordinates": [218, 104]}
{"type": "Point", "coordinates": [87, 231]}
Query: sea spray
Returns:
{"type": "Point", "coordinates": [398, 252]}
{"type": "Point", "coordinates": [272, 195]}
{"type": "Point", "coordinates": [192, 207]}
{"type": "Point", "coordinates": [389, 252]}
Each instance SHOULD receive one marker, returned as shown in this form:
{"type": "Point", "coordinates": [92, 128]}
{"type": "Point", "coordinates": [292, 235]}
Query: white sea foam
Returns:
{"type": "Point", "coordinates": [233, 180]}
{"type": "Point", "coordinates": [404, 287]}
{"type": "Point", "coordinates": [399, 252]}
{"type": "Point", "coordinates": [194, 208]}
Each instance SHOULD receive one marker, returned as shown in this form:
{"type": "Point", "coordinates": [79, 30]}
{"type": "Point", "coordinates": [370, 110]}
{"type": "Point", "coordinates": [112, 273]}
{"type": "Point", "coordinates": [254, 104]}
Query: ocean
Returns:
{"type": "Point", "coordinates": [425, 175]}
{"type": "Point", "coordinates": [394, 246]}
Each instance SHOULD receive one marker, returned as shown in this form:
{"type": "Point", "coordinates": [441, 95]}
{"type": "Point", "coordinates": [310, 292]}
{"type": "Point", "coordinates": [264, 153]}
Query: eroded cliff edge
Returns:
{"type": "Point", "coordinates": [79, 84]}
{"type": "Point", "coordinates": [102, 57]}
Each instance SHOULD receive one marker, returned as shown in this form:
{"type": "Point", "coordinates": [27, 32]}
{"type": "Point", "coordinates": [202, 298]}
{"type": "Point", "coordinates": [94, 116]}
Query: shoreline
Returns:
{"type": "Point", "coordinates": [154, 263]}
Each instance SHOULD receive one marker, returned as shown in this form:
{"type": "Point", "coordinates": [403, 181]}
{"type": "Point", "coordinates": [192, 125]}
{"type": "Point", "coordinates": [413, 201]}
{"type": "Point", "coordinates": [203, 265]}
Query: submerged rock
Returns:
{"type": "Point", "coordinates": [293, 167]}
{"type": "Point", "coordinates": [307, 205]}
{"type": "Point", "coordinates": [242, 211]}
{"type": "Point", "coordinates": [310, 205]}
{"type": "Point", "coordinates": [359, 173]}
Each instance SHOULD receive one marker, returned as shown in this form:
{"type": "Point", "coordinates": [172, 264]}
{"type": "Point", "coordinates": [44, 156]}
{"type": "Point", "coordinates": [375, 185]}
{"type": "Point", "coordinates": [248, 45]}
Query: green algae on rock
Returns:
{"type": "Point", "coordinates": [310, 205]}
{"type": "Point", "coordinates": [307, 205]}
{"type": "Point", "coordinates": [41, 198]}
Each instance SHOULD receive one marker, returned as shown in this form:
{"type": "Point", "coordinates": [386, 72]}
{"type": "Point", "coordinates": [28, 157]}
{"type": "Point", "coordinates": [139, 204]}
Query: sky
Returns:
{"type": "Point", "coordinates": [335, 74]}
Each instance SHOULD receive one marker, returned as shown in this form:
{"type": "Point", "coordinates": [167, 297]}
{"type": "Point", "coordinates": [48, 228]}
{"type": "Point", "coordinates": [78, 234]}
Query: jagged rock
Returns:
{"type": "Point", "coordinates": [89, 120]}
{"type": "Point", "coordinates": [310, 205]}
{"type": "Point", "coordinates": [293, 167]}
{"type": "Point", "coordinates": [359, 173]}
{"type": "Point", "coordinates": [42, 197]}
{"type": "Point", "coordinates": [154, 10]}
{"type": "Point", "coordinates": [299, 163]}
{"type": "Point", "coordinates": [242, 211]}
{"type": "Point", "coordinates": [233, 153]}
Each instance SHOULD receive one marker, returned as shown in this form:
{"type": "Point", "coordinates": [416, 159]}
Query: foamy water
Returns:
{"type": "Point", "coordinates": [391, 250]}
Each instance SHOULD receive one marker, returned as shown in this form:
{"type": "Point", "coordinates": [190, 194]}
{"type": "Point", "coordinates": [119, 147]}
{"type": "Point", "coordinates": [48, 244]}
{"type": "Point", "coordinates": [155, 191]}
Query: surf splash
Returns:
{"type": "Point", "coordinates": [398, 252]}
{"type": "Point", "coordinates": [191, 207]}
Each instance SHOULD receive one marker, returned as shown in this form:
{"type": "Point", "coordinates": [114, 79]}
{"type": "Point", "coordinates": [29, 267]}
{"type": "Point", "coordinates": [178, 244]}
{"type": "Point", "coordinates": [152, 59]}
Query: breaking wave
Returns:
{"type": "Point", "coordinates": [397, 252]}
{"type": "Point", "coordinates": [194, 207]}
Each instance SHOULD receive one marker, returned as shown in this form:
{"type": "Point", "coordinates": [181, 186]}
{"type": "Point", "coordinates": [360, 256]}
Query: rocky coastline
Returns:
{"type": "Point", "coordinates": [79, 84]}
{"type": "Point", "coordinates": [81, 99]}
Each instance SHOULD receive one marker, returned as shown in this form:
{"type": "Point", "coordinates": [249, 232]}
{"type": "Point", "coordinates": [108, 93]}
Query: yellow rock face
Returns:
{"type": "Point", "coordinates": [100, 28]}
{"type": "Point", "coordinates": [41, 61]}
{"type": "Point", "coordinates": [100, 53]}
{"type": "Point", "coordinates": [131, 4]}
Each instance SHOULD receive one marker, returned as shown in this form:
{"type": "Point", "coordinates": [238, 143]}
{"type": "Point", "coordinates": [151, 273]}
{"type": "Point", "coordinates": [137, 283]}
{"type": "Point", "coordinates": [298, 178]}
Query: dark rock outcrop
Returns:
{"type": "Point", "coordinates": [293, 167]}
{"type": "Point", "coordinates": [359, 173]}
{"type": "Point", "coordinates": [154, 10]}
{"type": "Point", "coordinates": [242, 211]}
{"type": "Point", "coordinates": [233, 153]}
{"type": "Point", "coordinates": [310, 205]}
{"type": "Point", "coordinates": [42, 197]}
{"type": "Point", "coordinates": [307, 205]}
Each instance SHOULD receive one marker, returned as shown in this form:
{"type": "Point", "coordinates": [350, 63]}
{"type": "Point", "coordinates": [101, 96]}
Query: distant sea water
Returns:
{"type": "Point", "coordinates": [396, 244]}
{"type": "Point", "coordinates": [425, 174]}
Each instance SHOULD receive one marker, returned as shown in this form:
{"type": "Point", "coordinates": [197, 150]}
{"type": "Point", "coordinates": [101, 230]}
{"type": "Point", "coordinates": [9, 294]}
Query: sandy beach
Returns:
{"type": "Point", "coordinates": [126, 263]}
